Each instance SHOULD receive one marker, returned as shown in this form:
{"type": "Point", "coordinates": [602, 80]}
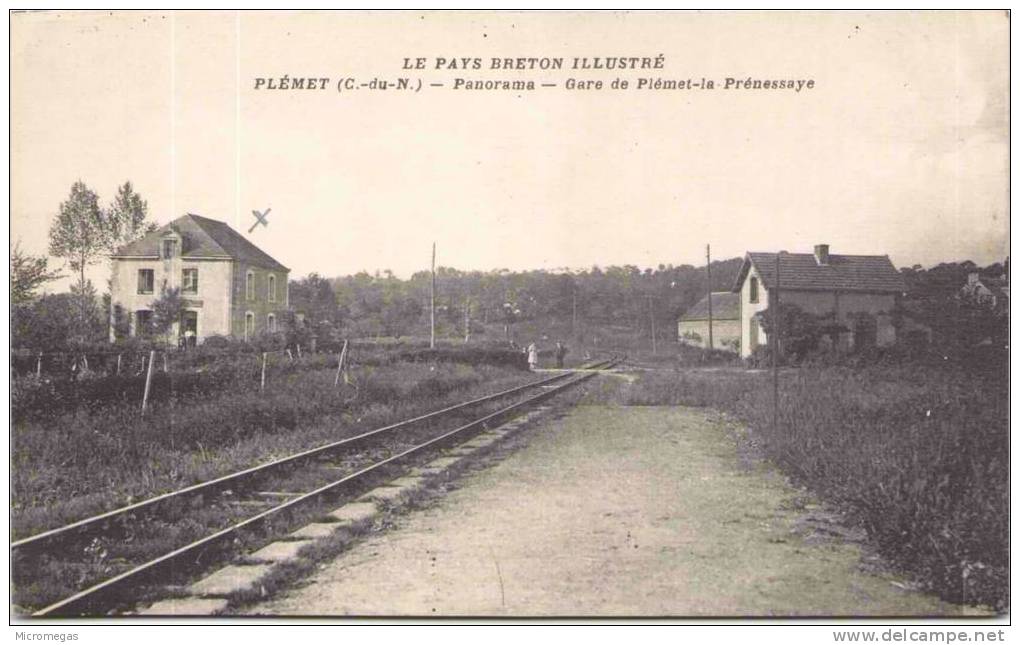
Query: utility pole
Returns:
{"type": "Point", "coordinates": [573, 321]}
{"type": "Point", "coordinates": [432, 301]}
{"type": "Point", "coordinates": [467, 318]}
{"type": "Point", "coordinates": [774, 342]}
{"type": "Point", "coordinates": [651, 316]}
{"type": "Point", "coordinates": [708, 270]}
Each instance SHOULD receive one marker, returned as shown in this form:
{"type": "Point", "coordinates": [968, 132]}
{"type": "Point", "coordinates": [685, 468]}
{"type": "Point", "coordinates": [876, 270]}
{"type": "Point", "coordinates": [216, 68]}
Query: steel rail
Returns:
{"type": "Point", "coordinates": [85, 595]}
{"type": "Point", "coordinates": [201, 487]}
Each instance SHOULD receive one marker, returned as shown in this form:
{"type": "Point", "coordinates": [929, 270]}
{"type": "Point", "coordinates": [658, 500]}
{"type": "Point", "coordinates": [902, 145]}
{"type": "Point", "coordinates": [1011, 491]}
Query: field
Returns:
{"type": "Point", "coordinates": [80, 447]}
{"type": "Point", "coordinates": [916, 455]}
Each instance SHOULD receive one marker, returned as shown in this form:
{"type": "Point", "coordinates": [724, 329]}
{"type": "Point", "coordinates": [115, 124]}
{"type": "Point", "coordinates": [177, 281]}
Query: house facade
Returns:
{"type": "Point", "coordinates": [692, 328]}
{"type": "Point", "coordinates": [859, 292]}
{"type": "Point", "coordinates": [230, 287]}
{"type": "Point", "coordinates": [991, 293]}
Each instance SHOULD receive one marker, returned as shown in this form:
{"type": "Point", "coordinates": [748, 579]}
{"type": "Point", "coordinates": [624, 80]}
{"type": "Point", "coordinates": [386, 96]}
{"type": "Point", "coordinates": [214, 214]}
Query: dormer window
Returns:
{"type": "Point", "coordinates": [753, 292]}
{"type": "Point", "coordinates": [170, 245]}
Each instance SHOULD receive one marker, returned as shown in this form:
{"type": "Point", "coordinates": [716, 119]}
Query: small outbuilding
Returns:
{"type": "Point", "coordinates": [692, 327]}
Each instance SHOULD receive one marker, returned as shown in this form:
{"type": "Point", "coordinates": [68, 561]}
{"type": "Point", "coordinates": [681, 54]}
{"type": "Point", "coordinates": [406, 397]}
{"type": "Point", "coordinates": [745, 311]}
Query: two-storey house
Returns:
{"type": "Point", "coordinates": [230, 287]}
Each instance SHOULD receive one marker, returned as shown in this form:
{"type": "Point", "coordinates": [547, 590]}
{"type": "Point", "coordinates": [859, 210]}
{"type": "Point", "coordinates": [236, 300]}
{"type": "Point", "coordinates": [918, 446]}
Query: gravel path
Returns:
{"type": "Point", "coordinates": [641, 511]}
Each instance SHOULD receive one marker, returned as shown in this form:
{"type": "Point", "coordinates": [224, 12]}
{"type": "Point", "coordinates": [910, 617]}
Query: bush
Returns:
{"type": "Point", "coordinates": [470, 355]}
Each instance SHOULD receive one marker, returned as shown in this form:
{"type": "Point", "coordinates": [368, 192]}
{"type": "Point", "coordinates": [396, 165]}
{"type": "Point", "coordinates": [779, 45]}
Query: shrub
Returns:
{"type": "Point", "coordinates": [470, 355]}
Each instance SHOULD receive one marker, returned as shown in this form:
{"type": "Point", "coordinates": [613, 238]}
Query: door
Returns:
{"type": "Point", "coordinates": [189, 327]}
{"type": "Point", "coordinates": [752, 343]}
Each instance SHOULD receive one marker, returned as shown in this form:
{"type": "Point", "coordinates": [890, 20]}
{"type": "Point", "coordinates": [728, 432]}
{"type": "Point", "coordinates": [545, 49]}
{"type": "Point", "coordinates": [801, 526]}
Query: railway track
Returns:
{"type": "Point", "coordinates": [258, 500]}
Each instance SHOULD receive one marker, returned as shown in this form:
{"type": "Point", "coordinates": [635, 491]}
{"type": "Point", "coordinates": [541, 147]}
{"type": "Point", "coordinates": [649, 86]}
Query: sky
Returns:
{"type": "Point", "coordinates": [900, 148]}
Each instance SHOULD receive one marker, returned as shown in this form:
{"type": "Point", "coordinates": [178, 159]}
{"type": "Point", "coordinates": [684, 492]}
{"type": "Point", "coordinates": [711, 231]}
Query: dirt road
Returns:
{"type": "Point", "coordinates": [641, 511]}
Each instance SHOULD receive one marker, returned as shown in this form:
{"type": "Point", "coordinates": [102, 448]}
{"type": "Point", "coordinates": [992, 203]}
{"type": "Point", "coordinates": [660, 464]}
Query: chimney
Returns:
{"type": "Point", "coordinates": [822, 254]}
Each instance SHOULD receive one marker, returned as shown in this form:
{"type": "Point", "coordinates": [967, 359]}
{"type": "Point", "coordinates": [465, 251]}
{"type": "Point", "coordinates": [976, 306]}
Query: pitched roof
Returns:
{"type": "Point", "coordinates": [801, 272]}
{"type": "Point", "coordinates": [725, 306]}
{"type": "Point", "coordinates": [202, 237]}
{"type": "Point", "coordinates": [997, 286]}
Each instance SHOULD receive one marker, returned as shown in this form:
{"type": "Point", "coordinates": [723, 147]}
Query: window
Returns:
{"type": "Point", "coordinates": [143, 322]}
{"type": "Point", "coordinates": [272, 288]}
{"type": "Point", "coordinates": [249, 285]}
{"type": "Point", "coordinates": [271, 322]}
{"type": "Point", "coordinates": [249, 325]}
{"type": "Point", "coordinates": [146, 280]}
{"type": "Point", "coordinates": [168, 249]}
{"type": "Point", "coordinates": [189, 281]}
{"type": "Point", "coordinates": [754, 290]}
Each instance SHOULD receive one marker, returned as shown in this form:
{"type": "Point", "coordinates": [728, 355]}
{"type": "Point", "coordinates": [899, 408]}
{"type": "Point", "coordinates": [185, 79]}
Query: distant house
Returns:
{"type": "Point", "coordinates": [860, 292]}
{"type": "Point", "coordinates": [992, 293]}
{"type": "Point", "coordinates": [229, 285]}
{"type": "Point", "coordinates": [692, 327]}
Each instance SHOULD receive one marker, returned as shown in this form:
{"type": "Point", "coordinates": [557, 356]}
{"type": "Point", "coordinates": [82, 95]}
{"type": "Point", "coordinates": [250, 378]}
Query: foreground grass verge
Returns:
{"type": "Point", "coordinates": [93, 460]}
{"type": "Point", "coordinates": [917, 457]}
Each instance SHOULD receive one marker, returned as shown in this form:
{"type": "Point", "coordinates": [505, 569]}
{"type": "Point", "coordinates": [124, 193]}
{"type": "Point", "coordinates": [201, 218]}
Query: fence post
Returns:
{"type": "Point", "coordinates": [290, 355]}
{"type": "Point", "coordinates": [118, 364]}
{"type": "Point", "coordinates": [38, 366]}
{"type": "Point", "coordinates": [166, 367]}
{"type": "Point", "coordinates": [262, 387]}
{"type": "Point", "coordinates": [299, 352]}
{"type": "Point", "coordinates": [148, 380]}
{"type": "Point", "coordinates": [340, 364]}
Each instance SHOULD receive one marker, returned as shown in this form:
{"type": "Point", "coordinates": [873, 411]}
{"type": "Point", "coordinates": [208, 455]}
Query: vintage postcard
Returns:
{"type": "Point", "coordinates": [562, 315]}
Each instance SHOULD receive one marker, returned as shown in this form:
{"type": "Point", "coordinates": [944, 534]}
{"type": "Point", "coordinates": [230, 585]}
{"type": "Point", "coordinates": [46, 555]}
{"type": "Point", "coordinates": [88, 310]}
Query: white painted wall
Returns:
{"type": "Point", "coordinates": [212, 302]}
{"type": "Point", "coordinates": [749, 309]}
{"type": "Point", "coordinates": [845, 304]}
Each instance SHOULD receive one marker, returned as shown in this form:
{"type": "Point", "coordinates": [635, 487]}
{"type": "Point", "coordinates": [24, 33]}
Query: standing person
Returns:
{"type": "Point", "coordinates": [561, 352]}
{"type": "Point", "coordinates": [532, 356]}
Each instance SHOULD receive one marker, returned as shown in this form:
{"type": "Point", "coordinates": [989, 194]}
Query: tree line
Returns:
{"type": "Point", "coordinates": [381, 304]}
{"type": "Point", "coordinates": [84, 232]}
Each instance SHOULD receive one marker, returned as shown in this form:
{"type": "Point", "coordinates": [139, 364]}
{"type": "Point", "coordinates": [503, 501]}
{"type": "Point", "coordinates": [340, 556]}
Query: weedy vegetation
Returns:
{"type": "Point", "coordinates": [76, 452]}
{"type": "Point", "coordinates": [918, 455]}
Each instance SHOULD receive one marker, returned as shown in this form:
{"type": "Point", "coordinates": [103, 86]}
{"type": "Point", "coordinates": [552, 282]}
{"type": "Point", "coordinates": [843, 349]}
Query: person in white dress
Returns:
{"type": "Point", "coordinates": [532, 356]}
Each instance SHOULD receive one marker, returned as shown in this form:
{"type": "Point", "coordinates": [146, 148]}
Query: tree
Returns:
{"type": "Point", "coordinates": [28, 273]}
{"type": "Point", "coordinates": [125, 219]}
{"type": "Point", "coordinates": [314, 297]}
{"type": "Point", "coordinates": [83, 232]}
{"type": "Point", "coordinates": [80, 236]}
{"type": "Point", "coordinates": [166, 310]}
{"type": "Point", "coordinates": [50, 323]}
{"type": "Point", "coordinates": [800, 332]}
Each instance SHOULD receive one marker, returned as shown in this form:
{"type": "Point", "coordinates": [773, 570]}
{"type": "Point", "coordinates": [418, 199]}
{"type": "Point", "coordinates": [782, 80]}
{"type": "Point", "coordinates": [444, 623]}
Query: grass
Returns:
{"type": "Point", "coordinates": [79, 463]}
{"type": "Point", "coordinates": [70, 465]}
{"type": "Point", "coordinates": [917, 456]}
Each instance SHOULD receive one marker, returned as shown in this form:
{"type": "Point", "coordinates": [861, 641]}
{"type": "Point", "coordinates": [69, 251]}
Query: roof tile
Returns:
{"type": "Point", "coordinates": [725, 306]}
{"type": "Point", "coordinates": [801, 272]}
{"type": "Point", "coordinates": [202, 237]}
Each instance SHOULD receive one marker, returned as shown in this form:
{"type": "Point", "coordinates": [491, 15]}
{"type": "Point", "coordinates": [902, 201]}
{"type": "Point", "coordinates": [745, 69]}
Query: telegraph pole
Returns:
{"type": "Point", "coordinates": [708, 270]}
{"type": "Point", "coordinates": [774, 306]}
{"type": "Point", "coordinates": [651, 316]}
{"type": "Point", "coordinates": [432, 301]}
{"type": "Point", "coordinates": [573, 321]}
